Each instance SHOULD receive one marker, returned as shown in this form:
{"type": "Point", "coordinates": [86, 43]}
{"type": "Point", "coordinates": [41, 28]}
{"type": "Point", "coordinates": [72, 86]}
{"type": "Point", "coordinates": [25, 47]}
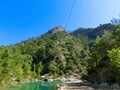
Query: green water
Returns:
{"type": "Point", "coordinates": [37, 86]}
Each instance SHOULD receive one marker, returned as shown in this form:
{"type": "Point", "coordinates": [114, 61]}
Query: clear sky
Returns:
{"type": "Point", "coordinates": [23, 19]}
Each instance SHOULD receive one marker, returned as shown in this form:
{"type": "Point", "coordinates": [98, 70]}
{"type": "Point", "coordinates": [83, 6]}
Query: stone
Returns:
{"type": "Point", "coordinates": [56, 29]}
{"type": "Point", "coordinates": [115, 85]}
{"type": "Point", "coordinates": [104, 85]}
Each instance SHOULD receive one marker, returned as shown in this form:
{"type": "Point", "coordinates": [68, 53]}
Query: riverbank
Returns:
{"type": "Point", "coordinates": [14, 81]}
{"type": "Point", "coordinates": [78, 85]}
{"type": "Point", "coordinates": [71, 82]}
{"type": "Point", "coordinates": [47, 77]}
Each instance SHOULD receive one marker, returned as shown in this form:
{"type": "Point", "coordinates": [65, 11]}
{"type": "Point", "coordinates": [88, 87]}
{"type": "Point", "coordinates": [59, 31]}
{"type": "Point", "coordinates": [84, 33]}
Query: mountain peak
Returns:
{"type": "Point", "coordinates": [56, 29]}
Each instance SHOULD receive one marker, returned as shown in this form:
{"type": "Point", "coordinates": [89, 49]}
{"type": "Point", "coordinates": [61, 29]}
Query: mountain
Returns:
{"type": "Point", "coordinates": [55, 53]}
{"type": "Point", "coordinates": [58, 47]}
{"type": "Point", "coordinates": [58, 53]}
{"type": "Point", "coordinates": [92, 33]}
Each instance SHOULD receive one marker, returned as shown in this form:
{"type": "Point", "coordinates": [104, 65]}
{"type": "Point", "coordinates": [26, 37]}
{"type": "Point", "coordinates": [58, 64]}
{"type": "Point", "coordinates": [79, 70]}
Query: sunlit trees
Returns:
{"type": "Point", "coordinates": [114, 56]}
{"type": "Point", "coordinates": [105, 57]}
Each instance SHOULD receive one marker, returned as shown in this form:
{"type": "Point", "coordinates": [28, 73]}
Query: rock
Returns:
{"type": "Point", "coordinates": [87, 84]}
{"type": "Point", "coordinates": [56, 29]}
{"type": "Point", "coordinates": [3, 82]}
{"type": "Point", "coordinates": [42, 76]}
{"type": "Point", "coordinates": [95, 85]}
{"type": "Point", "coordinates": [50, 80]}
{"type": "Point", "coordinates": [45, 79]}
{"type": "Point", "coordinates": [104, 85]}
{"type": "Point", "coordinates": [115, 85]}
{"type": "Point", "coordinates": [36, 80]}
{"type": "Point", "coordinates": [33, 80]}
{"type": "Point", "coordinates": [13, 79]}
{"type": "Point", "coordinates": [61, 87]}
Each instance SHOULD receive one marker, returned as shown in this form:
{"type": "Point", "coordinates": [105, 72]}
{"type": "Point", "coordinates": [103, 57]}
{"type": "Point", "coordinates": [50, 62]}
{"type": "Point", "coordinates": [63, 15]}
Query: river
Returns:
{"type": "Point", "coordinates": [36, 86]}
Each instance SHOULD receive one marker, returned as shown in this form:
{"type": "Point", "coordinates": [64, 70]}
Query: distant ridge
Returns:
{"type": "Point", "coordinates": [56, 29]}
{"type": "Point", "coordinates": [92, 33]}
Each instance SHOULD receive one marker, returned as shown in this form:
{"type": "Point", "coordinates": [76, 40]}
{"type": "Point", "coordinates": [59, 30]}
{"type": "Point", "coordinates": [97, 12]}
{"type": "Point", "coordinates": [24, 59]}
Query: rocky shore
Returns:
{"type": "Point", "coordinates": [78, 85]}
{"type": "Point", "coordinates": [72, 82]}
{"type": "Point", "coordinates": [48, 77]}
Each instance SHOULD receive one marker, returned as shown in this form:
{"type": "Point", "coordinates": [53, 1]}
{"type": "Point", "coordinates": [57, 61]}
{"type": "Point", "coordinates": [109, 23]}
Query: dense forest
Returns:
{"type": "Point", "coordinates": [92, 53]}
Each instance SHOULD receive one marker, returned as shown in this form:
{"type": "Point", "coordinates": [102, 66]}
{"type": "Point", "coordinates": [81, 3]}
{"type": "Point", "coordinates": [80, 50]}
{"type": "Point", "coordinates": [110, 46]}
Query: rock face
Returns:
{"type": "Point", "coordinates": [56, 29]}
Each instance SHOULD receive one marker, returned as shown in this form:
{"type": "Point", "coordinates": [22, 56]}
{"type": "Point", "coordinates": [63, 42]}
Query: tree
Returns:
{"type": "Point", "coordinates": [116, 36]}
{"type": "Point", "coordinates": [114, 56]}
{"type": "Point", "coordinates": [98, 57]}
{"type": "Point", "coordinates": [52, 67]}
{"type": "Point", "coordinates": [39, 68]}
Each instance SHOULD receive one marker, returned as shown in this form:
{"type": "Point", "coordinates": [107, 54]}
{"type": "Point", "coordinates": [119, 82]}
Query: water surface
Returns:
{"type": "Point", "coordinates": [37, 86]}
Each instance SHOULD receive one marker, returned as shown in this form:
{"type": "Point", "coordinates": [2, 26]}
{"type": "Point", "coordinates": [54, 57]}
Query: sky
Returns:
{"type": "Point", "coordinates": [24, 19]}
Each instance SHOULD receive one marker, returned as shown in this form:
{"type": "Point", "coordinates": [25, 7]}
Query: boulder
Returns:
{"type": "Point", "coordinates": [104, 85]}
{"type": "Point", "coordinates": [115, 85]}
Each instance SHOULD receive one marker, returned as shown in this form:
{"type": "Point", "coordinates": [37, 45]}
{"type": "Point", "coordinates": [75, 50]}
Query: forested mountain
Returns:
{"type": "Point", "coordinates": [59, 52]}
{"type": "Point", "coordinates": [104, 61]}
{"type": "Point", "coordinates": [92, 33]}
{"type": "Point", "coordinates": [55, 53]}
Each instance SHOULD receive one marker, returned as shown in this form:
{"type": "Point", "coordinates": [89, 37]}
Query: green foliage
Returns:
{"type": "Point", "coordinates": [114, 56]}
{"type": "Point", "coordinates": [87, 52]}
{"type": "Point", "coordinates": [105, 58]}
{"type": "Point", "coordinates": [39, 68]}
{"type": "Point", "coordinates": [52, 67]}
{"type": "Point", "coordinates": [60, 53]}
{"type": "Point", "coordinates": [55, 54]}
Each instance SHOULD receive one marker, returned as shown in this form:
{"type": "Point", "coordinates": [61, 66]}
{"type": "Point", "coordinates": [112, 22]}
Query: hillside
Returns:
{"type": "Point", "coordinates": [92, 33]}
{"type": "Point", "coordinates": [61, 53]}
{"type": "Point", "coordinates": [55, 47]}
{"type": "Point", "coordinates": [55, 53]}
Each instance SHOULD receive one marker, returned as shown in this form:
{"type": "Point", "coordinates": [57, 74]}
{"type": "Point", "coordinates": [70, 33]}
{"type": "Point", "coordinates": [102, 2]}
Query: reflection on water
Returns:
{"type": "Point", "coordinates": [36, 86]}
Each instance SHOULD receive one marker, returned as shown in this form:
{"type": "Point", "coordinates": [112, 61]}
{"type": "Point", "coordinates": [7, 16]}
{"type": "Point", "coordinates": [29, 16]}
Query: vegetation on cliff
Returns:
{"type": "Point", "coordinates": [94, 54]}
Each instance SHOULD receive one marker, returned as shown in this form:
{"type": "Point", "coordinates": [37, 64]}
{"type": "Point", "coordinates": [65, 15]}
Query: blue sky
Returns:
{"type": "Point", "coordinates": [23, 19]}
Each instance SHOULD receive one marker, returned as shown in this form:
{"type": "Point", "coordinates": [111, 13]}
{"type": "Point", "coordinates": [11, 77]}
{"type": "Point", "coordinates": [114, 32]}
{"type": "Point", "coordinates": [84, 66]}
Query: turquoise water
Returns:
{"type": "Point", "coordinates": [36, 86]}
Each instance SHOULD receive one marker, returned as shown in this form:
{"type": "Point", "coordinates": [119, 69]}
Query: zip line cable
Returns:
{"type": "Point", "coordinates": [68, 19]}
